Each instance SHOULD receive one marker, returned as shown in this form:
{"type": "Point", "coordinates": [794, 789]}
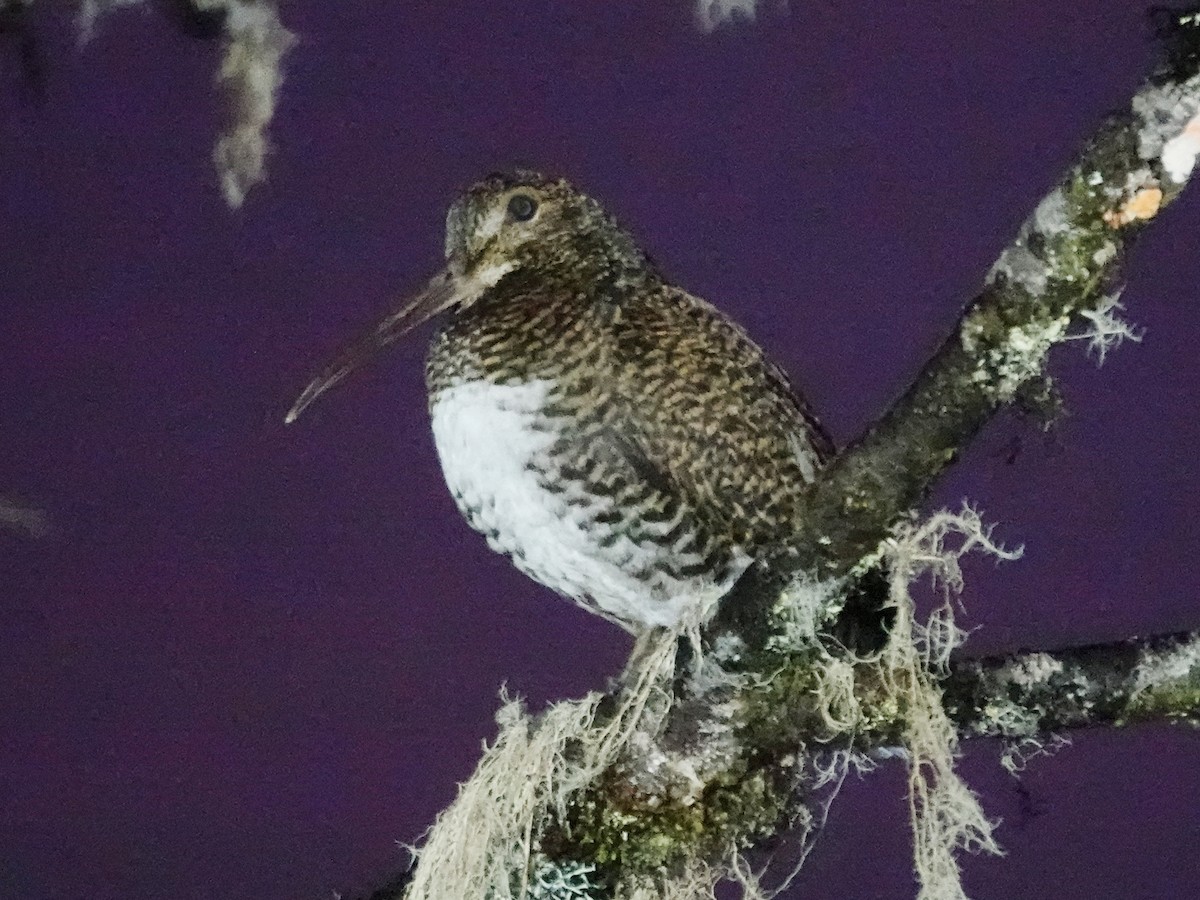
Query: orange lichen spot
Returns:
{"type": "Point", "coordinates": [1142, 205]}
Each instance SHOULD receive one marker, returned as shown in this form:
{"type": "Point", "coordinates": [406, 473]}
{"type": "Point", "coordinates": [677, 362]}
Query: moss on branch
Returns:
{"type": "Point", "coordinates": [1036, 693]}
{"type": "Point", "coordinates": [1018, 697]}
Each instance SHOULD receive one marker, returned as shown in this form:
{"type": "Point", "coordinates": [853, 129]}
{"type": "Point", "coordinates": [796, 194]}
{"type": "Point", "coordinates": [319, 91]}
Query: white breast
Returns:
{"type": "Point", "coordinates": [492, 441]}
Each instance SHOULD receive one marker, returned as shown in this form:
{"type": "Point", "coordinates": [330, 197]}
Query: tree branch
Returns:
{"type": "Point", "coordinates": [1021, 697]}
{"type": "Point", "coordinates": [654, 790]}
{"type": "Point", "coordinates": [1036, 693]}
{"type": "Point", "coordinates": [1059, 272]}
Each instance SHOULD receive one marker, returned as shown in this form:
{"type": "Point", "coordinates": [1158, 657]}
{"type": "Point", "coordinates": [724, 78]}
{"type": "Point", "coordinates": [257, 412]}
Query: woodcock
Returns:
{"type": "Point", "coordinates": [620, 440]}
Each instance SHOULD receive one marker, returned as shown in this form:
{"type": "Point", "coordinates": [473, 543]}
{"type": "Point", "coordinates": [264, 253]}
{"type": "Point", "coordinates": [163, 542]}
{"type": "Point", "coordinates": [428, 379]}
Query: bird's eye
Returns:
{"type": "Point", "coordinates": [522, 207]}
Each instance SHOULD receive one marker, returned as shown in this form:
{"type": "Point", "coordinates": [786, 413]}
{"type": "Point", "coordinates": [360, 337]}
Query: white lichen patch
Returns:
{"type": "Point", "coordinates": [1179, 153]}
{"type": "Point", "coordinates": [1010, 710]}
{"type": "Point", "coordinates": [681, 777]}
{"type": "Point", "coordinates": [1104, 330]}
{"type": "Point", "coordinates": [1165, 112]}
{"type": "Point", "coordinates": [710, 14]}
{"type": "Point", "coordinates": [1020, 357]}
{"type": "Point", "coordinates": [801, 610]}
{"type": "Point", "coordinates": [1106, 254]}
{"type": "Point", "coordinates": [1019, 265]}
{"type": "Point", "coordinates": [727, 649]}
{"type": "Point", "coordinates": [1053, 214]}
{"type": "Point", "coordinates": [1033, 669]}
{"type": "Point", "coordinates": [1003, 716]}
{"type": "Point", "coordinates": [1180, 663]}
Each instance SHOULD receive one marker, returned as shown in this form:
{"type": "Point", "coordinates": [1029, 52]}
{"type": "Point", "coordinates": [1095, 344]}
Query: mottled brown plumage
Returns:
{"type": "Point", "coordinates": [623, 441]}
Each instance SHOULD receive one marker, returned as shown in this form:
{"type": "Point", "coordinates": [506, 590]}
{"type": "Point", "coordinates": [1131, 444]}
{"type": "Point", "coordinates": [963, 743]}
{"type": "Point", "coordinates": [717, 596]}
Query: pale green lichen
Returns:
{"type": "Point", "coordinates": [803, 607]}
{"type": "Point", "coordinates": [562, 881]}
{"type": "Point", "coordinates": [642, 814]}
{"type": "Point", "coordinates": [895, 696]}
{"type": "Point", "coordinates": [1020, 356]}
{"type": "Point", "coordinates": [255, 42]}
{"type": "Point", "coordinates": [711, 14]}
{"type": "Point", "coordinates": [1167, 683]}
{"type": "Point", "coordinates": [1104, 329]}
{"type": "Point", "coordinates": [1059, 256]}
{"type": "Point", "coordinates": [1019, 754]}
{"type": "Point", "coordinates": [251, 74]}
{"type": "Point", "coordinates": [945, 814]}
{"type": "Point", "coordinates": [1034, 669]}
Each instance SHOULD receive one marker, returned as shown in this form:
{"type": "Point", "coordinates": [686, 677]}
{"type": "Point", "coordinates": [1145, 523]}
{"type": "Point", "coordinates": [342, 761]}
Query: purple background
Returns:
{"type": "Point", "coordinates": [250, 659]}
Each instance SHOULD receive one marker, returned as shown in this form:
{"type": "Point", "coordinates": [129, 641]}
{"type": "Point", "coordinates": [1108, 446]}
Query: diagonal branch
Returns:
{"type": "Point", "coordinates": [1061, 268]}
{"type": "Point", "coordinates": [1059, 275]}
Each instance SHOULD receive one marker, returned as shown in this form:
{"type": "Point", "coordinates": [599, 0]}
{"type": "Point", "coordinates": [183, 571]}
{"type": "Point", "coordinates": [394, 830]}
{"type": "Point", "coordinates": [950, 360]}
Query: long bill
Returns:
{"type": "Point", "coordinates": [446, 289]}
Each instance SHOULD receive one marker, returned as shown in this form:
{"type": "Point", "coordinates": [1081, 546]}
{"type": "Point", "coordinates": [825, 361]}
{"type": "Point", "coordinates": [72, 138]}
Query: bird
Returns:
{"type": "Point", "coordinates": [622, 441]}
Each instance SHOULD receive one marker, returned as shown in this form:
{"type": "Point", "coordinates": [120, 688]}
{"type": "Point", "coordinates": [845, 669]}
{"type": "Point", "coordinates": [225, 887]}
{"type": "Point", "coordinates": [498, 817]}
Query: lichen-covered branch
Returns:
{"type": "Point", "coordinates": [1057, 281]}
{"type": "Point", "coordinates": [731, 736]}
{"type": "Point", "coordinates": [663, 812]}
{"type": "Point", "coordinates": [1036, 693]}
{"type": "Point", "coordinates": [1058, 276]}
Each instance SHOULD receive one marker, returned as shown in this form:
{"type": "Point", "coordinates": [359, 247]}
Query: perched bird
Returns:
{"type": "Point", "coordinates": [620, 440]}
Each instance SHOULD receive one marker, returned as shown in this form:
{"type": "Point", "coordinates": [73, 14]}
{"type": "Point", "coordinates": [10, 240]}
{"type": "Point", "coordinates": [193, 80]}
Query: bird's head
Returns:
{"type": "Point", "coordinates": [506, 225]}
{"type": "Point", "coordinates": [525, 221]}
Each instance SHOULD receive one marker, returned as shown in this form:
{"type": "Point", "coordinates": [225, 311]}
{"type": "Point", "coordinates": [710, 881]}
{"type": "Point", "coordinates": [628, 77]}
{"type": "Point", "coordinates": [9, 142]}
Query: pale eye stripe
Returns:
{"type": "Point", "coordinates": [489, 225]}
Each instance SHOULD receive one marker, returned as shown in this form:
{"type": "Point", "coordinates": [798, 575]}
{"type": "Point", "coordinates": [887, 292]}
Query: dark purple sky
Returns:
{"type": "Point", "coordinates": [250, 659]}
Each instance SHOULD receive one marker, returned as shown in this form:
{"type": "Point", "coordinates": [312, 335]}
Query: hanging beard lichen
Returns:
{"type": "Point", "coordinates": [491, 842]}
{"type": "Point", "coordinates": [945, 813]}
